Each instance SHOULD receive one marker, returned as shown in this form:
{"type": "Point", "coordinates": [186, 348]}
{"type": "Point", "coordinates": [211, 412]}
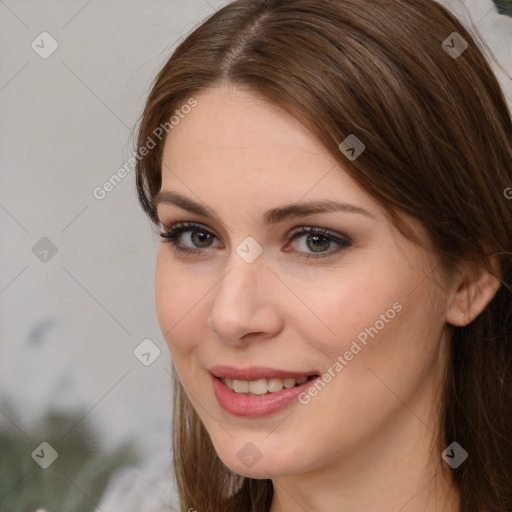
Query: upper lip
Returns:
{"type": "Point", "coordinates": [256, 372]}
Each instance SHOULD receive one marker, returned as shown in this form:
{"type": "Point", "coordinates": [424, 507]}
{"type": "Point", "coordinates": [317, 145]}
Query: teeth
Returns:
{"type": "Point", "coordinates": [241, 386]}
{"type": "Point", "coordinates": [258, 387]}
{"type": "Point", "coordinates": [288, 383]}
{"type": "Point", "coordinates": [275, 385]}
{"type": "Point", "coordinates": [262, 386]}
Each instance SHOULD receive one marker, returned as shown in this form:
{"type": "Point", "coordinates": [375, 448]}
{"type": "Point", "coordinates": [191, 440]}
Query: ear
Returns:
{"type": "Point", "coordinates": [473, 288]}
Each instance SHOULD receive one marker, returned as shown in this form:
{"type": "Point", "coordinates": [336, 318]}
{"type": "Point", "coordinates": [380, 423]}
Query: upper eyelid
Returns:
{"type": "Point", "coordinates": [298, 230]}
{"type": "Point", "coordinates": [192, 224]}
{"type": "Point", "coordinates": [188, 226]}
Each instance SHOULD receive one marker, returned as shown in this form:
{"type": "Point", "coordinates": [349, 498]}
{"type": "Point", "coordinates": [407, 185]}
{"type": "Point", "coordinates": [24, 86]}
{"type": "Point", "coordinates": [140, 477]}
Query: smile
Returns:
{"type": "Point", "coordinates": [263, 386]}
{"type": "Point", "coordinates": [258, 391]}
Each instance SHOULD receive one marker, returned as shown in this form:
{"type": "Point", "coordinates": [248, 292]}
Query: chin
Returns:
{"type": "Point", "coordinates": [254, 460]}
{"type": "Point", "coordinates": [261, 470]}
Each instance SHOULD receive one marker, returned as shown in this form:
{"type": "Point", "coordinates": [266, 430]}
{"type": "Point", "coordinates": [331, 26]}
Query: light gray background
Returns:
{"type": "Point", "coordinates": [68, 326]}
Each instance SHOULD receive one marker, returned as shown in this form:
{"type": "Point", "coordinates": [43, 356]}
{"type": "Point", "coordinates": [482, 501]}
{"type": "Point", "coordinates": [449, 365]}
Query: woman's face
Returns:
{"type": "Point", "coordinates": [266, 297]}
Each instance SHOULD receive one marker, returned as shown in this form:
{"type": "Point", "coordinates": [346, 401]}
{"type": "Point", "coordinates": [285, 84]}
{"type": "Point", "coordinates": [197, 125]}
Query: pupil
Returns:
{"type": "Point", "coordinates": [201, 238]}
{"type": "Point", "coordinates": [318, 246]}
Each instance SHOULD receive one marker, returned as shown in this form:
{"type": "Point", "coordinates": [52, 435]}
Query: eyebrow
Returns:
{"type": "Point", "coordinates": [272, 216]}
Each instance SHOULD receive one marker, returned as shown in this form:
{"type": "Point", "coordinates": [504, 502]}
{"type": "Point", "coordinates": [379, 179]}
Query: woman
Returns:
{"type": "Point", "coordinates": [334, 276]}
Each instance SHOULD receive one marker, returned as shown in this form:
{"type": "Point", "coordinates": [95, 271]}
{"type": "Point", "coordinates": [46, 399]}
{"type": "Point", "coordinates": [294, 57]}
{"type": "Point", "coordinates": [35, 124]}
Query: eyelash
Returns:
{"type": "Point", "coordinates": [172, 234]}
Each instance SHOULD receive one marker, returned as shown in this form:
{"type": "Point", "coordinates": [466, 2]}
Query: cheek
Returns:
{"type": "Point", "coordinates": [348, 306]}
{"type": "Point", "coordinates": [179, 299]}
{"type": "Point", "coordinates": [369, 325]}
{"type": "Point", "coordinates": [384, 353]}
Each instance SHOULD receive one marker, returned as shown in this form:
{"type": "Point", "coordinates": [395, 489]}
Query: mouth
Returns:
{"type": "Point", "coordinates": [260, 387]}
{"type": "Point", "coordinates": [258, 391]}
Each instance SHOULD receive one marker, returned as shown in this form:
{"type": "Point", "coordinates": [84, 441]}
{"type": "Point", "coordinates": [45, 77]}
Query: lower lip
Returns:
{"type": "Point", "coordinates": [256, 405]}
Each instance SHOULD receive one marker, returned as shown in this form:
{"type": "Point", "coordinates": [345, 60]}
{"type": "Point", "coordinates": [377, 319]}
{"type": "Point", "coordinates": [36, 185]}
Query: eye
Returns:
{"type": "Point", "coordinates": [189, 237]}
{"type": "Point", "coordinates": [318, 241]}
{"type": "Point", "coordinates": [193, 238]}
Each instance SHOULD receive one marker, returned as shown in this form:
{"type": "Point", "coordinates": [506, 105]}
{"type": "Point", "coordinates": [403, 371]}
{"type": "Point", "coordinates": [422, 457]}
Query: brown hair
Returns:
{"type": "Point", "coordinates": [438, 137]}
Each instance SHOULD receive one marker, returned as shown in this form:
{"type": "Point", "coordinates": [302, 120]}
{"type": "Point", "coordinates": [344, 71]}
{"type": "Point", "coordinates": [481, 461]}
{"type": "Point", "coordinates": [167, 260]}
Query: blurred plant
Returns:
{"type": "Point", "coordinates": [504, 6]}
{"type": "Point", "coordinates": [74, 482]}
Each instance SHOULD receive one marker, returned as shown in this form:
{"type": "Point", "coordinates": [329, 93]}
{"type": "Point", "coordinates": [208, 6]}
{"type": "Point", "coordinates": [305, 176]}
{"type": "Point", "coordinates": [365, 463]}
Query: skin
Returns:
{"type": "Point", "coordinates": [366, 442]}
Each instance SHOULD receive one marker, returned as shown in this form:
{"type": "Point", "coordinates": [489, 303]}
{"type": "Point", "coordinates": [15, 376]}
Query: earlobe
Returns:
{"type": "Point", "coordinates": [473, 291]}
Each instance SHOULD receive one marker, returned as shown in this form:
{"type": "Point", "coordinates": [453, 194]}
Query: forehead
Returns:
{"type": "Point", "coordinates": [235, 139]}
{"type": "Point", "coordinates": [229, 122]}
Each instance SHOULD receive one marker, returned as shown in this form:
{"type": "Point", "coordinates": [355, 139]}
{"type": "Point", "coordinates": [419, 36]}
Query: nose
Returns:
{"type": "Point", "coordinates": [245, 304]}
